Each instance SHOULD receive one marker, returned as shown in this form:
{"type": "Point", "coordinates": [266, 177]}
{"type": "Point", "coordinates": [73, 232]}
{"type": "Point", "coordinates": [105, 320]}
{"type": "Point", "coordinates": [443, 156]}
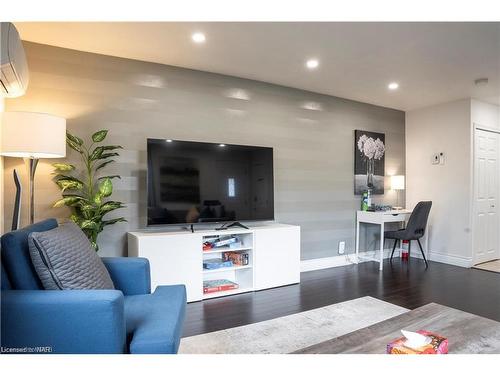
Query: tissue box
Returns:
{"type": "Point", "coordinates": [438, 345]}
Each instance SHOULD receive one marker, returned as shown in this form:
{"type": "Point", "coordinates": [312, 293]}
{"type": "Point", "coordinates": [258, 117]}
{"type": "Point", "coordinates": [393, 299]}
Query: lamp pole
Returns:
{"type": "Point", "coordinates": [31, 164]}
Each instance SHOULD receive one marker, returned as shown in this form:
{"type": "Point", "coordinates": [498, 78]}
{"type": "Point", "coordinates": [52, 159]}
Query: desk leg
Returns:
{"type": "Point", "coordinates": [357, 241]}
{"type": "Point", "coordinates": [381, 247]}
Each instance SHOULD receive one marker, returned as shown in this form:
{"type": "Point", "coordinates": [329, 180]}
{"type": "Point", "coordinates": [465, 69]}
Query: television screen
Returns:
{"type": "Point", "coordinates": [194, 182]}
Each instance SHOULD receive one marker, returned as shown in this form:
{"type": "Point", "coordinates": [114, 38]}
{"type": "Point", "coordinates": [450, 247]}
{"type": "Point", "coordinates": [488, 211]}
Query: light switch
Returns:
{"type": "Point", "coordinates": [435, 159]}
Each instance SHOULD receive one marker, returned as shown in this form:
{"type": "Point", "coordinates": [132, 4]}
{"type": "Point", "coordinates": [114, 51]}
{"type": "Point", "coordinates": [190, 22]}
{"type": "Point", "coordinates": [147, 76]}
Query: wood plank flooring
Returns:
{"type": "Point", "coordinates": [407, 284]}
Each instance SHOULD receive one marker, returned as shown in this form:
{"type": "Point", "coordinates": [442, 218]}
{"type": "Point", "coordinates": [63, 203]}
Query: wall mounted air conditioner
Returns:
{"type": "Point", "coordinates": [14, 75]}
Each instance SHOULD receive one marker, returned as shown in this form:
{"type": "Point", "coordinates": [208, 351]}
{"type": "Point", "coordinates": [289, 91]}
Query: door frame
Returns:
{"type": "Point", "coordinates": [475, 128]}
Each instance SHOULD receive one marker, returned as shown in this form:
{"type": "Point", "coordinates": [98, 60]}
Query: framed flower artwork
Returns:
{"type": "Point", "coordinates": [369, 162]}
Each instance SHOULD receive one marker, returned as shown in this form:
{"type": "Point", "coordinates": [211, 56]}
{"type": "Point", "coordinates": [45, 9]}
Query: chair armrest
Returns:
{"type": "Point", "coordinates": [130, 275]}
{"type": "Point", "coordinates": [64, 321]}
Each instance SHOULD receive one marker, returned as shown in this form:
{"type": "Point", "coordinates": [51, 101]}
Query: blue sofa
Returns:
{"type": "Point", "coordinates": [129, 319]}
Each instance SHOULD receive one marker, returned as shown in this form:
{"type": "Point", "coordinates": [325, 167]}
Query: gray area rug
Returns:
{"type": "Point", "coordinates": [293, 332]}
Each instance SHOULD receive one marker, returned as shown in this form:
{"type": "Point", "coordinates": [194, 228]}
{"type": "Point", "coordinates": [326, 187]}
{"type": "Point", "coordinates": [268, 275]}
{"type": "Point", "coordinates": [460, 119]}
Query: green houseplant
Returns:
{"type": "Point", "coordinates": [86, 194]}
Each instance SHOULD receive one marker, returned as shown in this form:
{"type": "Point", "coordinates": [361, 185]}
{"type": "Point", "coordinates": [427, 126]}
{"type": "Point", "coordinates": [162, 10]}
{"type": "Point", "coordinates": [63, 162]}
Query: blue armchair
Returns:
{"type": "Point", "coordinates": [129, 319]}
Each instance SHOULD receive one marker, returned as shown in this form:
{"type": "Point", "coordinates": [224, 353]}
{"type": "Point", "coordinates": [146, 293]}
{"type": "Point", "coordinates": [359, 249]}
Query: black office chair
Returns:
{"type": "Point", "coordinates": [414, 230]}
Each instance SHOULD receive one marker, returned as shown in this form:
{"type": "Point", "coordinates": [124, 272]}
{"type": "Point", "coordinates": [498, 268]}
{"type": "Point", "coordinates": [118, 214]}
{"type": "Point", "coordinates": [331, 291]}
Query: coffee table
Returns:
{"type": "Point", "coordinates": [467, 333]}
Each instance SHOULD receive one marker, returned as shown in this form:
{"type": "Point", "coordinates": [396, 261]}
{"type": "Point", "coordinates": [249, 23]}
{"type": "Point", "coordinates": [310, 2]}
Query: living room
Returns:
{"type": "Point", "coordinates": [202, 187]}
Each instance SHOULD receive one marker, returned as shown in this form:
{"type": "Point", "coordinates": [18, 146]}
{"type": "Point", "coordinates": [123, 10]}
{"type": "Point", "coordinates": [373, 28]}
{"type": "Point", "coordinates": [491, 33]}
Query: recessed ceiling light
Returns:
{"type": "Point", "coordinates": [222, 145]}
{"type": "Point", "coordinates": [393, 86]}
{"type": "Point", "coordinates": [198, 37]}
{"type": "Point", "coordinates": [312, 63]}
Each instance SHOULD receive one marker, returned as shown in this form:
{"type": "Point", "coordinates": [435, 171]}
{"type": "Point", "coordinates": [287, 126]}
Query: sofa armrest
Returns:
{"type": "Point", "coordinates": [63, 321]}
{"type": "Point", "coordinates": [130, 275]}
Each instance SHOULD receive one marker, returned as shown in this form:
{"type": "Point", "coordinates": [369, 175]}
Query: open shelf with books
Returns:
{"type": "Point", "coordinates": [227, 264]}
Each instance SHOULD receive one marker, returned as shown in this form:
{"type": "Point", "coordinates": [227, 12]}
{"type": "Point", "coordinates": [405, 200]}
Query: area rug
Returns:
{"type": "Point", "coordinates": [493, 266]}
{"type": "Point", "coordinates": [293, 332]}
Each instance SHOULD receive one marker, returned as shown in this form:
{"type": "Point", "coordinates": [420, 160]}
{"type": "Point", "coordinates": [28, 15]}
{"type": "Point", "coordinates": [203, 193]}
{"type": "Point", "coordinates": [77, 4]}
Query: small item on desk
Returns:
{"type": "Point", "coordinates": [364, 201]}
{"type": "Point", "coordinates": [420, 342]}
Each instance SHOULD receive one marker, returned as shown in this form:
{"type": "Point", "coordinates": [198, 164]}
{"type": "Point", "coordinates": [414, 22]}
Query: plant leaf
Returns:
{"type": "Point", "coordinates": [67, 201]}
{"type": "Point", "coordinates": [110, 206]}
{"type": "Point", "coordinates": [113, 221]}
{"type": "Point", "coordinates": [102, 165]}
{"type": "Point", "coordinates": [111, 147]}
{"type": "Point", "coordinates": [71, 178]}
{"type": "Point", "coordinates": [96, 154]}
{"type": "Point", "coordinates": [109, 155]}
{"type": "Point", "coordinates": [89, 224]}
{"type": "Point", "coordinates": [106, 187]}
{"type": "Point", "coordinates": [110, 177]}
{"type": "Point", "coordinates": [74, 138]}
{"type": "Point", "coordinates": [99, 136]}
{"type": "Point", "coordinates": [65, 184]}
{"type": "Point", "coordinates": [63, 167]}
{"type": "Point", "coordinates": [74, 218]}
{"type": "Point", "coordinates": [74, 146]}
{"type": "Point", "coordinates": [98, 198]}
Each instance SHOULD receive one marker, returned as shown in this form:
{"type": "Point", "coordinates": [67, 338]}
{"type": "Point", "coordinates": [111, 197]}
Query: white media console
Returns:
{"type": "Point", "coordinates": [176, 257]}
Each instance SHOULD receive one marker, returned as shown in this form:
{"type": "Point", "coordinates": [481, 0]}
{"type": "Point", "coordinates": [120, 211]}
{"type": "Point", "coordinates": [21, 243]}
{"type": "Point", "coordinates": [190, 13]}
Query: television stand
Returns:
{"type": "Point", "coordinates": [177, 257]}
{"type": "Point", "coordinates": [232, 225]}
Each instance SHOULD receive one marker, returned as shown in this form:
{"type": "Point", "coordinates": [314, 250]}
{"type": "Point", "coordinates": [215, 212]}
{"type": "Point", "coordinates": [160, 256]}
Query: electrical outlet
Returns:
{"type": "Point", "coordinates": [341, 247]}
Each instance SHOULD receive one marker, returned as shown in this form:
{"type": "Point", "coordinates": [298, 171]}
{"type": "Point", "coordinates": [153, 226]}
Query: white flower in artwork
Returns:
{"type": "Point", "coordinates": [379, 149]}
{"type": "Point", "coordinates": [361, 142]}
{"type": "Point", "coordinates": [370, 148]}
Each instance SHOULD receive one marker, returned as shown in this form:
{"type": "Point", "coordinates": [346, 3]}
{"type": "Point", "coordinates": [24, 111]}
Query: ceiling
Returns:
{"type": "Point", "coordinates": [432, 62]}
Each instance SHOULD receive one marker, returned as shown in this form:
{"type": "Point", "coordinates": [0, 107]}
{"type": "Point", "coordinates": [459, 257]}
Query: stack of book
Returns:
{"type": "Point", "coordinates": [213, 264]}
{"type": "Point", "coordinates": [219, 285]}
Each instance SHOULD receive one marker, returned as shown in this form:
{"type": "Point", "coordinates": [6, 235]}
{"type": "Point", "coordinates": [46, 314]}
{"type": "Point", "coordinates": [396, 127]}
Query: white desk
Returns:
{"type": "Point", "coordinates": [380, 218]}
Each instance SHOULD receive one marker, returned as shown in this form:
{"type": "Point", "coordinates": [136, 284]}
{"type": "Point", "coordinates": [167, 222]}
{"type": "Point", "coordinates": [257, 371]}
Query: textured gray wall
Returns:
{"type": "Point", "coordinates": [313, 147]}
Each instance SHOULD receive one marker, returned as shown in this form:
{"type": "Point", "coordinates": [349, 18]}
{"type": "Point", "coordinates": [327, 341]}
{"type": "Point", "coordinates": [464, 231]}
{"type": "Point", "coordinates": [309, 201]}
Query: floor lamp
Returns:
{"type": "Point", "coordinates": [32, 136]}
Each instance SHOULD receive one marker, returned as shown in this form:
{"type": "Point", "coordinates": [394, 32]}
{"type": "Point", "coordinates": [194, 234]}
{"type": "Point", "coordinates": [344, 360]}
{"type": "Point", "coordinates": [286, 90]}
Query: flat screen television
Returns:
{"type": "Point", "coordinates": [195, 182]}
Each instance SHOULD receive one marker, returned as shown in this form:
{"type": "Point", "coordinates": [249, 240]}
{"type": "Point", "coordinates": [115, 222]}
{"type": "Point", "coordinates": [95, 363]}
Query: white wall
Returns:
{"type": "Point", "coordinates": [485, 114]}
{"type": "Point", "coordinates": [442, 128]}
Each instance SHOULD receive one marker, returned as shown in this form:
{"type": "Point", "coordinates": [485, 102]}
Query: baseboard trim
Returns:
{"type": "Point", "coordinates": [453, 260]}
{"type": "Point", "coordinates": [345, 260]}
{"type": "Point", "coordinates": [335, 261]}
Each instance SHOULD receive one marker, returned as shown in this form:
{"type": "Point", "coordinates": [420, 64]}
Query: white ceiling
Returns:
{"type": "Point", "coordinates": [433, 62]}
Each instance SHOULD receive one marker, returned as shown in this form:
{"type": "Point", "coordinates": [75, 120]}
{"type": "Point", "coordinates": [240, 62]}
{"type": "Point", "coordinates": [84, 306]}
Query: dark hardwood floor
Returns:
{"type": "Point", "coordinates": [406, 284]}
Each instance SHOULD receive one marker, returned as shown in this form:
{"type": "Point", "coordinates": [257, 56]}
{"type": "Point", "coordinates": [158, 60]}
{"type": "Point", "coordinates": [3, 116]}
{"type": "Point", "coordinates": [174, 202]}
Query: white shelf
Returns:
{"type": "Point", "coordinates": [226, 293]}
{"type": "Point", "coordinates": [225, 269]}
{"type": "Point", "coordinates": [226, 249]}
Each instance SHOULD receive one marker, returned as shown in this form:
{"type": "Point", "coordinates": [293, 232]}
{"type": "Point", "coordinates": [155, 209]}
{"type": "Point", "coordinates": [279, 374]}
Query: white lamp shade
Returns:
{"type": "Point", "coordinates": [32, 135]}
{"type": "Point", "coordinates": [397, 182]}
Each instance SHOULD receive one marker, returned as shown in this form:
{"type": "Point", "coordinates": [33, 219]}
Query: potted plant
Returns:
{"type": "Point", "coordinates": [87, 194]}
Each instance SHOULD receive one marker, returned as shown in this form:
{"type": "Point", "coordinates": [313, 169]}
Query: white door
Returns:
{"type": "Point", "coordinates": [486, 168]}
